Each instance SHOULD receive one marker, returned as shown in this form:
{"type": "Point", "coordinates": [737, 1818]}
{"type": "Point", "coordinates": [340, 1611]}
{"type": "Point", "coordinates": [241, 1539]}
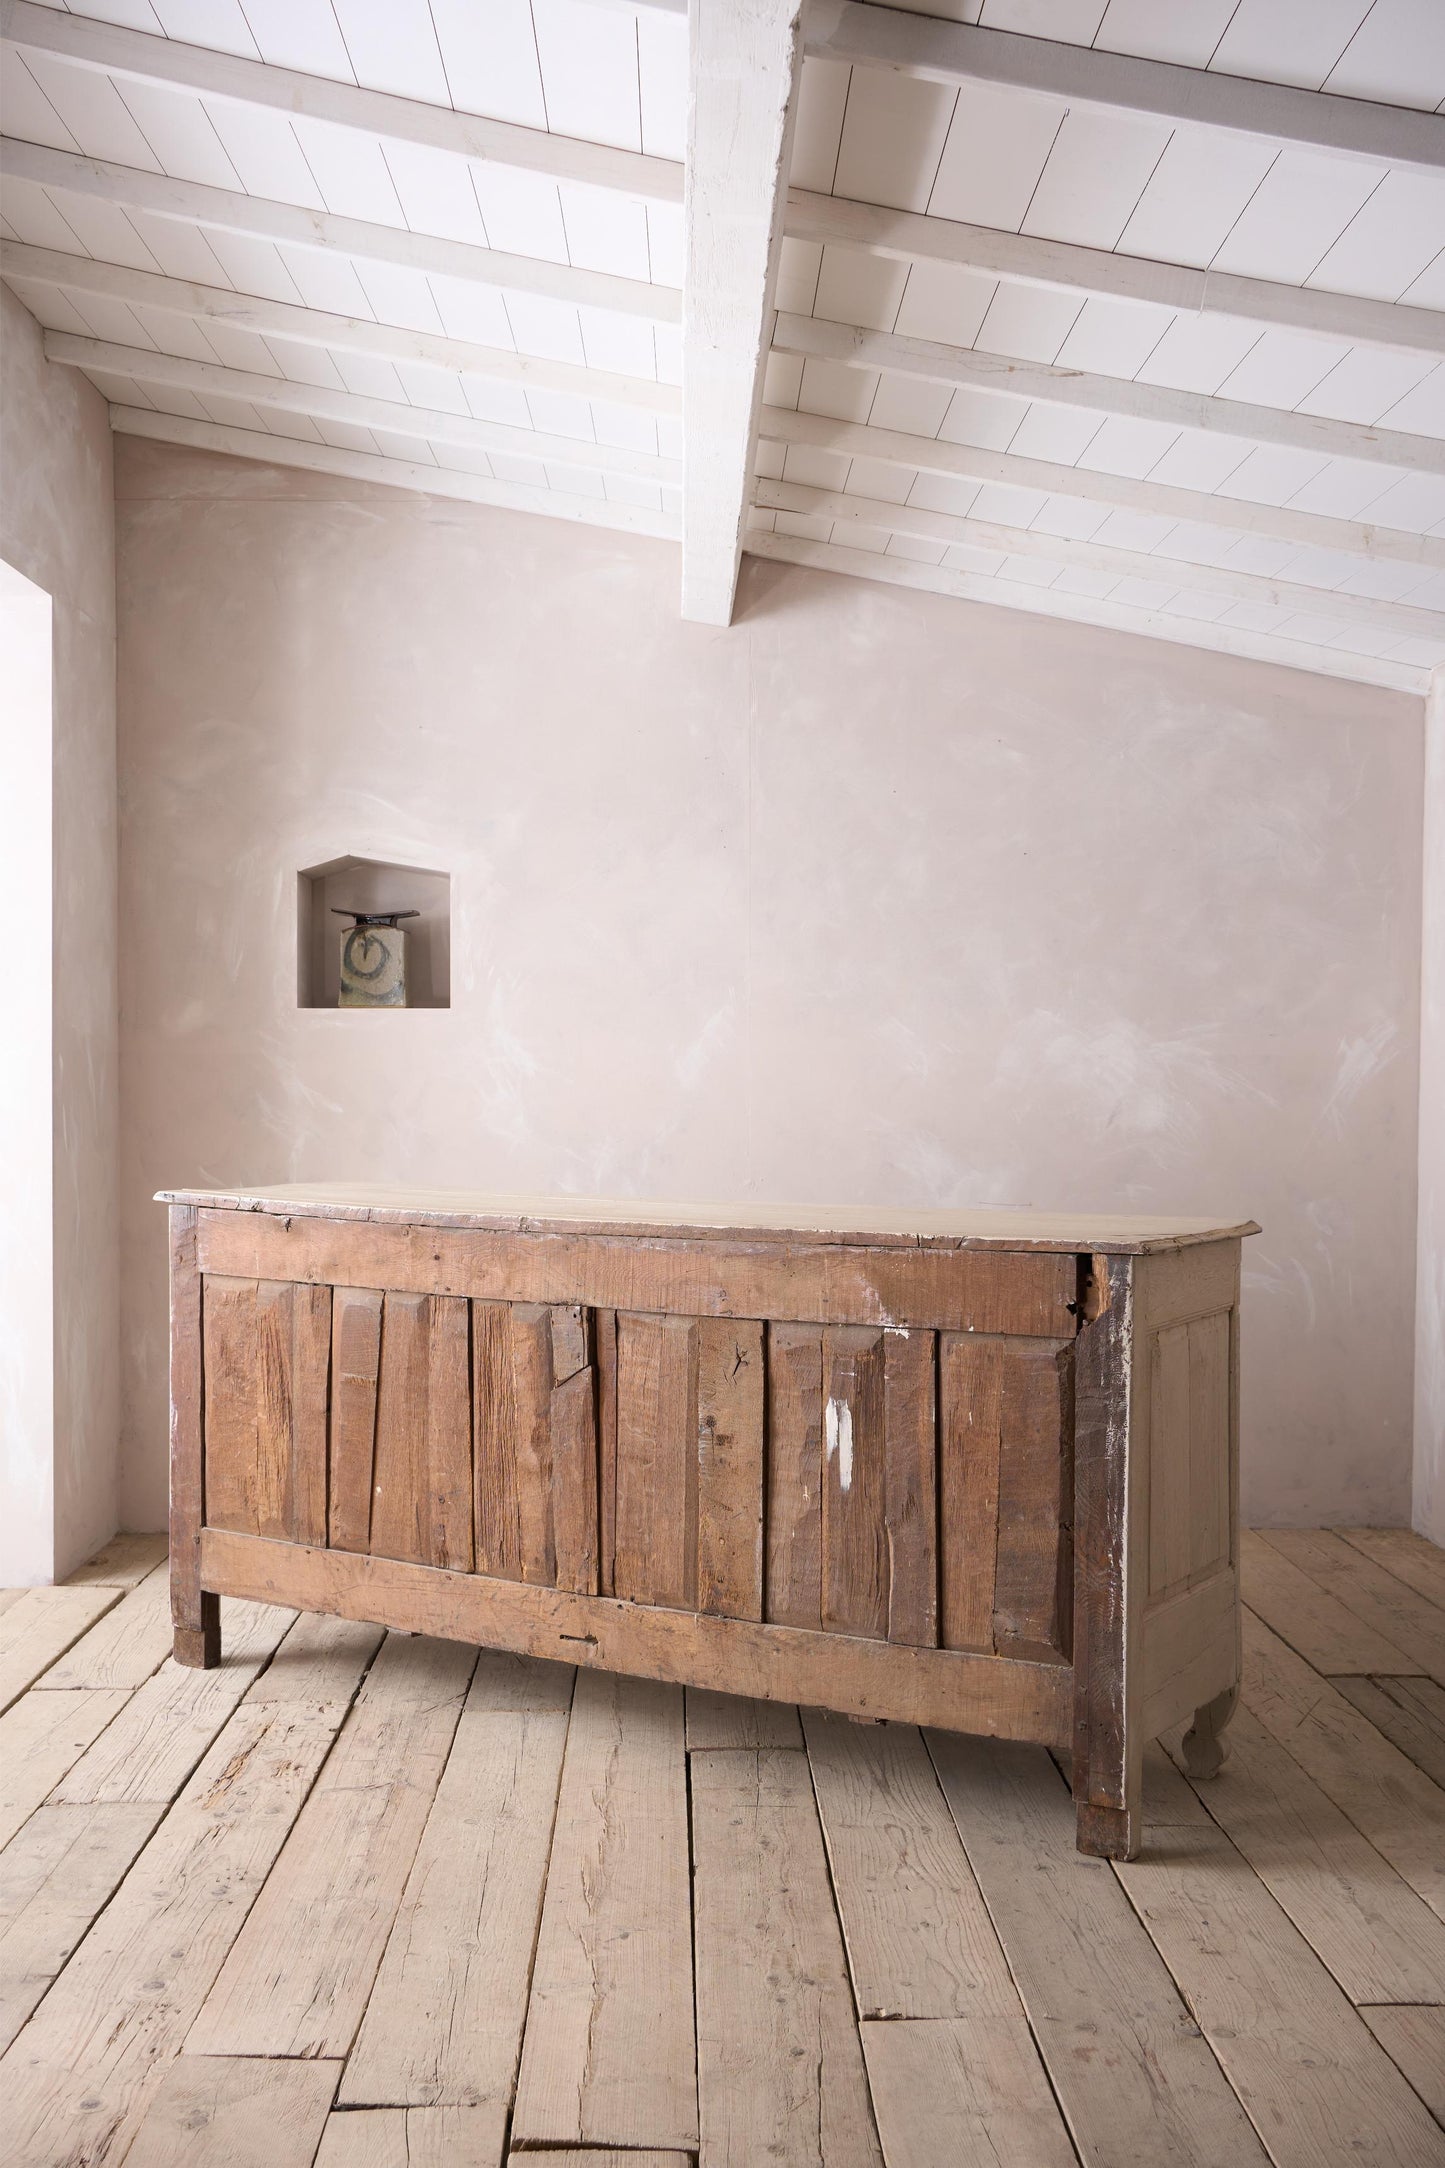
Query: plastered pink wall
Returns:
{"type": "Point", "coordinates": [57, 527]}
{"type": "Point", "coordinates": [875, 897]}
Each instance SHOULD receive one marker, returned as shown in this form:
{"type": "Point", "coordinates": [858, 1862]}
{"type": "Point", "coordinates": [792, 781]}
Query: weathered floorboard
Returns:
{"type": "Point", "coordinates": [414, 2138]}
{"type": "Point", "coordinates": [297, 1980]}
{"type": "Point", "coordinates": [607, 2058]}
{"type": "Point", "coordinates": [736, 1720]}
{"type": "Point", "coordinates": [54, 1878]}
{"type": "Point", "coordinates": [1313, 1623]}
{"type": "Point", "coordinates": [1408, 1620]}
{"type": "Point", "coordinates": [150, 1748]}
{"type": "Point", "coordinates": [963, 2093]}
{"type": "Point", "coordinates": [1412, 1559]}
{"type": "Point", "coordinates": [780, 2064]}
{"type": "Point", "coordinates": [1410, 1713]}
{"type": "Point", "coordinates": [1138, 2086]}
{"type": "Point", "coordinates": [235, 2112]}
{"type": "Point", "coordinates": [121, 1563]}
{"type": "Point", "coordinates": [919, 1939]}
{"type": "Point", "coordinates": [40, 1626]}
{"type": "Point", "coordinates": [40, 1739]}
{"type": "Point", "coordinates": [1316, 2084]}
{"type": "Point", "coordinates": [1387, 1798]}
{"type": "Point", "coordinates": [81, 2073]}
{"type": "Point", "coordinates": [1379, 1940]}
{"type": "Point", "coordinates": [443, 2025]}
{"type": "Point", "coordinates": [1414, 2040]}
{"type": "Point", "coordinates": [126, 1646]}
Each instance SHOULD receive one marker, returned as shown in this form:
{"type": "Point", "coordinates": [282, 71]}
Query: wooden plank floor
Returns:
{"type": "Point", "coordinates": [362, 1900]}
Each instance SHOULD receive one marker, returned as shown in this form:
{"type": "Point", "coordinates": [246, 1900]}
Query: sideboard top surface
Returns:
{"type": "Point", "coordinates": [995, 1227]}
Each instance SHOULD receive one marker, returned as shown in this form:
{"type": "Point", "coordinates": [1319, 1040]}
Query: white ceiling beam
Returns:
{"type": "Point", "coordinates": [1093, 485]}
{"type": "Point", "coordinates": [140, 56]}
{"type": "Point", "coordinates": [743, 75]}
{"type": "Point", "coordinates": [1084, 610]}
{"type": "Point", "coordinates": [391, 473]}
{"type": "Point", "coordinates": [1002, 375]}
{"type": "Point", "coordinates": [196, 203]}
{"type": "Point", "coordinates": [1291, 597]}
{"type": "Point", "coordinates": [48, 267]}
{"type": "Point", "coordinates": [910, 236]}
{"type": "Point", "coordinates": [142, 365]}
{"type": "Point", "coordinates": [951, 52]}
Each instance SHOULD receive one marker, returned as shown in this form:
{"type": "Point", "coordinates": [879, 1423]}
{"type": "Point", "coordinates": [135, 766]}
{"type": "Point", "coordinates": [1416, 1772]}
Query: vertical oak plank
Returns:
{"type": "Point", "coordinates": [497, 1499]}
{"type": "Point", "coordinates": [855, 1557]}
{"type": "Point", "coordinates": [1032, 1577]}
{"type": "Point", "coordinates": [604, 1338]}
{"type": "Point", "coordinates": [449, 1434]}
{"type": "Point", "coordinates": [227, 1317]}
{"type": "Point", "coordinates": [911, 1510]}
{"type": "Point", "coordinates": [794, 1532]}
{"type": "Point", "coordinates": [355, 1369]}
{"type": "Point", "coordinates": [730, 1468]}
{"type": "Point", "coordinates": [421, 1507]}
{"type": "Point", "coordinates": [530, 1327]}
{"type": "Point", "coordinates": [574, 1483]}
{"type": "Point", "coordinates": [656, 1558]}
{"type": "Point", "coordinates": [970, 1381]}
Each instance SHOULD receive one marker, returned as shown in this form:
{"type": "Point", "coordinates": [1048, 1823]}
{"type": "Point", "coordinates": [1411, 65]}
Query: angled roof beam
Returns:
{"type": "Point", "coordinates": [315, 327]}
{"type": "Point", "coordinates": [394, 473]}
{"type": "Point", "coordinates": [1094, 485]}
{"type": "Point", "coordinates": [434, 425]}
{"type": "Point", "coordinates": [1000, 374]}
{"type": "Point", "coordinates": [949, 52]}
{"type": "Point", "coordinates": [744, 61]}
{"type": "Point", "coordinates": [1292, 597]}
{"type": "Point", "coordinates": [198, 204]}
{"type": "Point", "coordinates": [1064, 265]}
{"type": "Point", "coordinates": [1297, 654]}
{"type": "Point", "coordinates": [143, 57]}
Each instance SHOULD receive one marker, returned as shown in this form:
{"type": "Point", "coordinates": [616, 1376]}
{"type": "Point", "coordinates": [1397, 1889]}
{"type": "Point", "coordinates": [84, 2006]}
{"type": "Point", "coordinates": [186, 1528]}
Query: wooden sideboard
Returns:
{"type": "Point", "coordinates": [971, 1470]}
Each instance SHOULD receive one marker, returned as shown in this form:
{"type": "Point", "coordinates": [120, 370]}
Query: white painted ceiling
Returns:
{"type": "Point", "coordinates": [335, 282]}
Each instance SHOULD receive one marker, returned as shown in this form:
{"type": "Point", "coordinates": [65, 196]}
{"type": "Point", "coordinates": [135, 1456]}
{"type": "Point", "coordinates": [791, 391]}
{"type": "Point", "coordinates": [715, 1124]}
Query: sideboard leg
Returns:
{"type": "Point", "coordinates": [1108, 1751]}
{"type": "Point", "coordinates": [1109, 1832]}
{"type": "Point", "coordinates": [1205, 1746]}
{"type": "Point", "coordinates": [198, 1646]}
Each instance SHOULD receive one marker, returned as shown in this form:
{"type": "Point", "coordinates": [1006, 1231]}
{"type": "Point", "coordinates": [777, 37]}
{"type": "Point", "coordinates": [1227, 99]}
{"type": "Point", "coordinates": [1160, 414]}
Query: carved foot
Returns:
{"type": "Point", "coordinates": [1205, 1746]}
{"type": "Point", "coordinates": [199, 1646]}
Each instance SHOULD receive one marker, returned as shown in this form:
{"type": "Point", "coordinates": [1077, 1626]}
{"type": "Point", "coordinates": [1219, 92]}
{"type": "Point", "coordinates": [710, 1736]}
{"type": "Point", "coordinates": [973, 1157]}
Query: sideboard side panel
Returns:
{"type": "Point", "coordinates": [195, 1612]}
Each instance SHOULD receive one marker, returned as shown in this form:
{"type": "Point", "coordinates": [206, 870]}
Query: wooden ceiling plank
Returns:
{"type": "Point", "coordinates": [391, 473]}
{"type": "Point", "coordinates": [432, 425]}
{"type": "Point", "coordinates": [1285, 595]}
{"type": "Point", "coordinates": [744, 61]}
{"type": "Point", "coordinates": [140, 56]}
{"type": "Point", "coordinates": [977, 370]}
{"type": "Point", "coordinates": [931, 455]}
{"type": "Point", "coordinates": [316, 327]}
{"type": "Point", "coordinates": [229, 211]}
{"type": "Point", "coordinates": [1083, 609]}
{"type": "Point", "coordinates": [1026, 260]}
{"type": "Point", "coordinates": [939, 51]}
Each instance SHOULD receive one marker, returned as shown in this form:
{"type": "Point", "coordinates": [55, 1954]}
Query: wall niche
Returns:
{"type": "Point", "coordinates": [372, 884]}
